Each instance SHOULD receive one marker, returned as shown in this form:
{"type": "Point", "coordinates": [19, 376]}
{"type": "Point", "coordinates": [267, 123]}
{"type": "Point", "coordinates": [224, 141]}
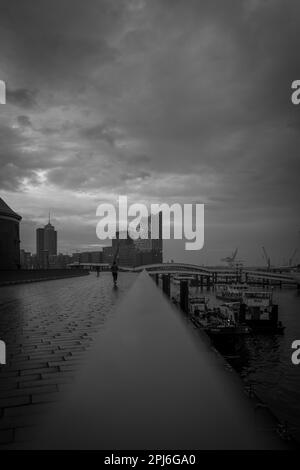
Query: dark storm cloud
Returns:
{"type": "Point", "coordinates": [15, 164]}
{"type": "Point", "coordinates": [141, 175]}
{"type": "Point", "coordinates": [21, 97]}
{"type": "Point", "coordinates": [24, 121]}
{"type": "Point", "coordinates": [161, 99]}
{"type": "Point", "coordinates": [103, 131]}
{"type": "Point", "coordinates": [58, 41]}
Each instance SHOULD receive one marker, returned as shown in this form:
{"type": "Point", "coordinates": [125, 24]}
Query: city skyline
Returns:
{"type": "Point", "coordinates": [46, 244]}
{"type": "Point", "coordinates": [83, 247]}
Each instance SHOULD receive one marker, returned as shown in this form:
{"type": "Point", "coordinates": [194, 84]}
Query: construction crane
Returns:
{"type": "Point", "coordinates": [230, 259]}
{"type": "Point", "coordinates": [267, 258]}
{"type": "Point", "coordinates": [293, 256]}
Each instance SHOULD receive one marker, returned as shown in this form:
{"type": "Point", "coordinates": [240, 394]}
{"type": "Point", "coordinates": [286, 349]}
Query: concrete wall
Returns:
{"type": "Point", "coordinates": [27, 275]}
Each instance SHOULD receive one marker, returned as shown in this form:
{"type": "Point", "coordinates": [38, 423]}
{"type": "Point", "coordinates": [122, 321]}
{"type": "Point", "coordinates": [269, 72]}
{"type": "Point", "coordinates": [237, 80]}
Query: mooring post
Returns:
{"type": "Point", "coordinates": [184, 296]}
{"type": "Point", "coordinates": [274, 314]}
{"type": "Point", "coordinates": [166, 284]}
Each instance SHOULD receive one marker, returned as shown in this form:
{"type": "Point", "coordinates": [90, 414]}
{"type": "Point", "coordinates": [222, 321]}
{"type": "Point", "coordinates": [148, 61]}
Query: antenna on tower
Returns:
{"type": "Point", "coordinates": [49, 217]}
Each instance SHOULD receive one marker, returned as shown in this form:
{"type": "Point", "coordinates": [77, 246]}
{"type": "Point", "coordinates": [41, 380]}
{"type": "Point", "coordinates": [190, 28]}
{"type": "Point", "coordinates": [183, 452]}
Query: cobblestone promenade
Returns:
{"type": "Point", "coordinates": [47, 328]}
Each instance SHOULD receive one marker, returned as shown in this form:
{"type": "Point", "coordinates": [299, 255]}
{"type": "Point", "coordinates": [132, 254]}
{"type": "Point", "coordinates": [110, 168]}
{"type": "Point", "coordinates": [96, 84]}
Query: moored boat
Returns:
{"type": "Point", "coordinates": [231, 292]}
{"type": "Point", "coordinates": [258, 311]}
{"type": "Point", "coordinates": [221, 321]}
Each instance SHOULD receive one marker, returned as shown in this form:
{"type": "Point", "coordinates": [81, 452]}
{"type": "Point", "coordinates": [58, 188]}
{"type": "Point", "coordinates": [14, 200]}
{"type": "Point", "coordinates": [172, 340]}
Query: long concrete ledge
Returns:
{"type": "Point", "coordinates": [8, 278]}
{"type": "Point", "coordinates": [150, 382]}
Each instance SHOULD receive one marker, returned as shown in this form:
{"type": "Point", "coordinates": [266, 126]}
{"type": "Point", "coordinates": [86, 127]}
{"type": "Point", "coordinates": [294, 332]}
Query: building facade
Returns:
{"type": "Point", "coordinates": [26, 259]}
{"type": "Point", "coordinates": [88, 257]}
{"type": "Point", "coordinates": [150, 250]}
{"type": "Point", "coordinates": [143, 251]}
{"type": "Point", "coordinates": [9, 237]}
{"type": "Point", "coordinates": [107, 254]}
{"type": "Point", "coordinates": [50, 239]}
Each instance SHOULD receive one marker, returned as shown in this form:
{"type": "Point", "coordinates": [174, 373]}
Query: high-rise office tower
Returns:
{"type": "Point", "coordinates": [50, 239]}
{"type": "Point", "coordinates": [39, 240]}
{"type": "Point", "coordinates": [46, 244]}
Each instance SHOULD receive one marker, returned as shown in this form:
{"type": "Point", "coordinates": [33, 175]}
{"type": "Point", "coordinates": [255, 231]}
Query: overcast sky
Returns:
{"type": "Point", "coordinates": [162, 101]}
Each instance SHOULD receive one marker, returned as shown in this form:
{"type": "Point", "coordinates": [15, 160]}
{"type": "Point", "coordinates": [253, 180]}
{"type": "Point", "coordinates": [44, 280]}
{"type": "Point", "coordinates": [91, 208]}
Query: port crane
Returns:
{"type": "Point", "coordinates": [230, 259]}
{"type": "Point", "coordinates": [267, 257]}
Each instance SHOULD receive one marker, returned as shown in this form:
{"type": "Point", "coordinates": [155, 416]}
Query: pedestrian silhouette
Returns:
{"type": "Point", "coordinates": [114, 270]}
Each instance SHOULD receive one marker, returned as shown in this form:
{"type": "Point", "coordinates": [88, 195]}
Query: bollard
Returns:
{"type": "Point", "coordinates": [184, 296]}
{"type": "Point", "coordinates": [156, 279]}
{"type": "Point", "coordinates": [166, 284]}
{"type": "Point", "coordinates": [274, 314]}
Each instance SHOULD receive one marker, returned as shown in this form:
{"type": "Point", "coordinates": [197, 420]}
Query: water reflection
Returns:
{"type": "Point", "coordinates": [264, 361]}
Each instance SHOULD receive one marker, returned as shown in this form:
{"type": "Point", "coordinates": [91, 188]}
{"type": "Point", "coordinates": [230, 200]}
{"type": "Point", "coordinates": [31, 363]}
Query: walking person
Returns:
{"type": "Point", "coordinates": [114, 270]}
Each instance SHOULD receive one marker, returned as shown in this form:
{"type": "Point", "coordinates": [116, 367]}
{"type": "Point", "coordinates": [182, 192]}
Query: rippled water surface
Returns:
{"type": "Point", "coordinates": [265, 361]}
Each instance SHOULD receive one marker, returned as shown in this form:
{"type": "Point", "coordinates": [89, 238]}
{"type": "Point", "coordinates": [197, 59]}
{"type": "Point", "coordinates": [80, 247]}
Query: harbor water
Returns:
{"type": "Point", "coordinates": [48, 334]}
{"type": "Point", "coordinates": [264, 361]}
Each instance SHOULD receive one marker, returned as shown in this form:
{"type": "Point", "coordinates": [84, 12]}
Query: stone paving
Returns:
{"type": "Point", "coordinates": [47, 328]}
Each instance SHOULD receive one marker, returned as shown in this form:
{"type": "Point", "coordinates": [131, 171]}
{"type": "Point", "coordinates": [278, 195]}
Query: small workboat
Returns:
{"type": "Point", "coordinates": [259, 312]}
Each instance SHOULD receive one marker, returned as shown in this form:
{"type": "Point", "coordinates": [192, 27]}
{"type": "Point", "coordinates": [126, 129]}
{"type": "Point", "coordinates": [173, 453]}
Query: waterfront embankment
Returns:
{"type": "Point", "coordinates": [11, 277]}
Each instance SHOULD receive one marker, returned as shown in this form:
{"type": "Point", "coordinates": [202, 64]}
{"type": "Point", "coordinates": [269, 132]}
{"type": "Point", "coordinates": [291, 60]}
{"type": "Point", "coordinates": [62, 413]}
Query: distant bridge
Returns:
{"type": "Point", "coordinates": [214, 274]}
{"type": "Point", "coordinates": [160, 268]}
{"type": "Point", "coordinates": [270, 276]}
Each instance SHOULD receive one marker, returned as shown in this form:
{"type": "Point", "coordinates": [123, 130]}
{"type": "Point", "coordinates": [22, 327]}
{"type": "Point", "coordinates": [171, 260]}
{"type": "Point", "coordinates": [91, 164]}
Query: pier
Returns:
{"type": "Point", "coordinates": [21, 276]}
{"type": "Point", "coordinates": [149, 382]}
{"type": "Point", "coordinates": [98, 367]}
{"type": "Point", "coordinates": [204, 275]}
